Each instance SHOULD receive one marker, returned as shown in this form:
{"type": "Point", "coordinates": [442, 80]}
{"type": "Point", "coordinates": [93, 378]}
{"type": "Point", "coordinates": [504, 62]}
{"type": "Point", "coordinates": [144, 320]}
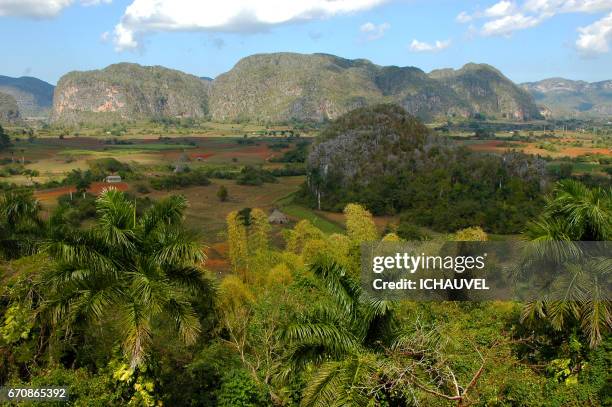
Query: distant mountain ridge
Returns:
{"type": "Point", "coordinates": [34, 97]}
{"type": "Point", "coordinates": [129, 91]}
{"type": "Point", "coordinates": [281, 86]}
{"type": "Point", "coordinates": [565, 97]}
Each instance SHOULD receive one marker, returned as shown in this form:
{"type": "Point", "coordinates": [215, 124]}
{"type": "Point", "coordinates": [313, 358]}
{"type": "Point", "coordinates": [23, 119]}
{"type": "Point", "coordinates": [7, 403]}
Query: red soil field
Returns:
{"type": "Point", "coordinates": [200, 155]}
{"type": "Point", "coordinates": [217, 258]}
{"type": "Point", "coordinates": [490, 146]}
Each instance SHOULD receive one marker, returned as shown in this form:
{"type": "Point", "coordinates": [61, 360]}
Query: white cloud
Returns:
{"type": "Point", "coordinates": [508, 24]}
{"type": "Point", "coordinates": [40, 8]}
{"type": "Point", "coordinates": [595, 38]}
{"type": "Point", "coordinates": [567, 6]}
{"type": "Point", "coordinates": [373, 31]}
{"type": "Point", "coordinates": [507, 16]}
{"type": "Point", "coordinates": [503, 8]}
{"type": "Point", "coordinates": [145, 16]}
{"type": "Point", "coordinates": [33, 8]}
{"type": "Point", "coordinates": [464, 17]}
{"type": "Point", "coordinates": [95, 2]}
{"type": "Point", "coordinates": [420, 46]}
{"type": "Point", "coordinates": [104, 37]}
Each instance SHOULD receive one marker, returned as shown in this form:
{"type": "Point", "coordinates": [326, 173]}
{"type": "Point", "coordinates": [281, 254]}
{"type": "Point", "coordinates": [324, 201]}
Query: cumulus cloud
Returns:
{"type": "Point", "coordinates": [503, 8]}
{"type": "Point", "coordinates": [595, 38]}
{"type": "Point", "coordinates": [33, 8]}
{"type": "Point", "coordinates": [373, 31]}
{"type": "Point", "coordinates": [420, 46]}
{"type": "Point", "coordinates": [40, 8]}
{"type": "Point", "coordinates": [507, 16]}
{"type": "Point", "coordinates": [146, 16]}
{"type": "Point", "coordinates": [508, 24]}
{"type": "Point", "coordinates": [567, 6]}
{"type": "Point", "coordinates": [500, 9]}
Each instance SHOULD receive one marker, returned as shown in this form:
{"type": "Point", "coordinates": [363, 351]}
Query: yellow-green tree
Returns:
{"type": "Point", "coordinates": [237, 242]}
{"type": "Point", "coordinates": [473, 234]}
{"type": "Point", "coordinates": [360, 226]}
{"type": "Point", "coordinates": [301, 233]}
{"type": "Point", "coordinates": [391, 237]}
{"type": "Point", "coordinates": [279, 275]}
{"type": "Point", "coordinates": [259, 231]}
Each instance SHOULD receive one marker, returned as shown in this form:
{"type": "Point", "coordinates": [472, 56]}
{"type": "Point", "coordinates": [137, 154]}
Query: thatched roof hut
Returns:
{"type": "Point", "coordinates": [278, 217]}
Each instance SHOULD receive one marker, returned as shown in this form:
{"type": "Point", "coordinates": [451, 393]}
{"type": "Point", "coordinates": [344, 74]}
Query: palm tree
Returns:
{"type": "Point", "coordinates": [575, 213]}
{"type": "Point", "coordinates": [341, 339]}
{"type": "Point", "coordinates": [132, 270]}
{"type": "Point", "coordinates": [20, 224]}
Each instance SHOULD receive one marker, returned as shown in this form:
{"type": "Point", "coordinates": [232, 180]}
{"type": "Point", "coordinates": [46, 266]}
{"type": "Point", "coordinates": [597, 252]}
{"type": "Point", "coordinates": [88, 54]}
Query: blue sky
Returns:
{"type": "Point", "coordinates": [526, 39]}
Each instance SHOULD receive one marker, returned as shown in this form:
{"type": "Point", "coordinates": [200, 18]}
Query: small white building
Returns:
{"type": "Point", "coordinates": [111, 179]}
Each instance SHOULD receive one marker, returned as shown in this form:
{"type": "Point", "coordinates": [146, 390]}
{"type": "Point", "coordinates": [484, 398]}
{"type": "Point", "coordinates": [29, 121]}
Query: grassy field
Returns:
{"type": "Point", "coordinates": [317, 218]}
{"type": "Point", "coordinates": [207, 214]}
{"type": "Point", "coordinates": [53, 158]}
{"type": "Point", "coordinates": [149, 129]}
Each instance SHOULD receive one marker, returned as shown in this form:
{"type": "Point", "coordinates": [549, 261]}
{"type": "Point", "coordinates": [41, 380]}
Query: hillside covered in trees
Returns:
{"type": "Point", "coordinates": [388, 160]}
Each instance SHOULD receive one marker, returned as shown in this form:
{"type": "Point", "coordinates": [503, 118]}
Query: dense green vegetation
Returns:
{"type": "Point", "coordinates": [389, 161]}
{"type": "Point", "coordinates": [122, 312]}
{"type": "Point", "coordinates": [297, 154]}
{"type": "Point", "coordinates": [180, 180]}
{"type": "Point", "coordinates": [250, 175]}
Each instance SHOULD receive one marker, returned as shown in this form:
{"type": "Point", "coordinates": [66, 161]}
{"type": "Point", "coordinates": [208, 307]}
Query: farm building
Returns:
{"type": "Point", "coordinates": [112, 179]}
{"type": "Point", "coordinates": [278, 217]}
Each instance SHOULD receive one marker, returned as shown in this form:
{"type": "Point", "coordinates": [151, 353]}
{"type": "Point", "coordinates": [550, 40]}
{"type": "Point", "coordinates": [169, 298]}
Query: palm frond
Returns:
{"type": "Point", "coordinates": [185, 319]}
{"type": "Point", "coordinates": [349, 382]}
{"type": "Point", "coordinates": [137, 327]}
{"type": "Point", "coordinates": [338, 283]}
{"type": "Point", "coordinates": [168, 211]}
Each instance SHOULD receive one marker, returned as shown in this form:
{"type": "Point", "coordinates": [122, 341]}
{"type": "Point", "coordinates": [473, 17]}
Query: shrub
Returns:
{"type": "Point", "coordinates": [254, 176]}
{"type": "Point", "coordinates": [409, 231]}
{"type": "Point", "coordinates": [142, 189]}
{"type": "Point", "coordinates": [183, 180]}
{"type": "Point", "coordinates": [222, 193]}
{"type": "Point", "coordinates": [239, 389]}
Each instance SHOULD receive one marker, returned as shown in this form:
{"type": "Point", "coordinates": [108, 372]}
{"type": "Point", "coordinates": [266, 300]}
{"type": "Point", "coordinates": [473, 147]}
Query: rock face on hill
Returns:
{"type": "Point", "coordinates": [369, 144]}
{"type": "Point", "coordinates": [275, 87]}
{"type": "Point", "coordinates": [129, 91]}
{"type": "Point", "coordinates": [33, 96]}
{"type": "Point", "coordinates": [285, 86]}
{"type": "Point", "coordinates": [9, 111]}
{"type": "Point", "coordinates": [567, 98]}
{"type": "Point", "coordinates": [487, 91]}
